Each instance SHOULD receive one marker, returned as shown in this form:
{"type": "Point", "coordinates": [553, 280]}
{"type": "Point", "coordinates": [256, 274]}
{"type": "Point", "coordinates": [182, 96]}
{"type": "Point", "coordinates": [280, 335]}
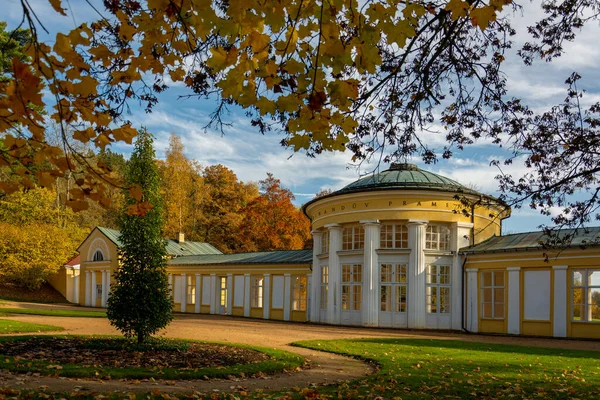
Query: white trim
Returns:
{"type": "Point", "coordinates": [198, 298]}
{"type": "Point", "coordinates": [266, 296]}
{"type": "Point", "coordinates": [513, 268]}
{"type": "Point", "coordinates": [183, 299]}
{"type": "Point", "coordinates": [287, 293]}
{"type": "Point", "coordinates": [246, 295]}
{"type": "Point", "coordinates": [525, 259]}
{"type": "Point", "coordinates": [561, 304]}
{"type": "Point", "coordinates": [229, 299]}
{"type": "Point", "coordinates": [560, 267]}
{"type": "Point", "coordinates": [422, 209]}
{"type": "Point", "coordinates": [514, 301]}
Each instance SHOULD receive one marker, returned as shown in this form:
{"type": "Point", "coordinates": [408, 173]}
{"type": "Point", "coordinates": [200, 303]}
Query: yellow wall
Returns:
{"type": "Point", "coordinates": [112, 263]}
{"type": "Point", "coordinates": [403, 205]}
{"type": "Point", "coordinates": [59, 281]}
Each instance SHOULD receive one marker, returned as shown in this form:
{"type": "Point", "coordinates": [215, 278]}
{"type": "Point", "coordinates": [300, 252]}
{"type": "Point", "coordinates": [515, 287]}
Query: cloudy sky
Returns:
{"type": "Point", "coordinates": [251, 155]}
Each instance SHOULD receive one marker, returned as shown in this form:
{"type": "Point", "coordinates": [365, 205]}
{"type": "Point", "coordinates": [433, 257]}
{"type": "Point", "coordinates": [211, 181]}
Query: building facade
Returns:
{"type": "Point", "coordinates": [404, 248]}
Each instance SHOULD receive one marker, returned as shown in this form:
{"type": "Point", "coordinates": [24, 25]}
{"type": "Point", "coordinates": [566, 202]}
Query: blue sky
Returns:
{"type": "Point", "coordinates": [251, 155]}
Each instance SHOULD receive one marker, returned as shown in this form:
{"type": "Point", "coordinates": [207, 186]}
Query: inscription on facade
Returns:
{"type": "Point", "coordinates": [390, 204]}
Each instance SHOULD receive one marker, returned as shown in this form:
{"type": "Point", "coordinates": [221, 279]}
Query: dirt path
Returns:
{"type": "Point", "coordinates": [327, 368]}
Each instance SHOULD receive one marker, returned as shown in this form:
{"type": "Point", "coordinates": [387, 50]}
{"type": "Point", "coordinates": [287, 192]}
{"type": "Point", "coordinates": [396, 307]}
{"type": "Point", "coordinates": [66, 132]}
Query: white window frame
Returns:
{"type": "Point", "coordinates": [437, 237]}
{"type": "Point", "coordinates": [493, 287]}
{"type": "Point", "coordinates": [324, 287]}
{"type": "Point", "coordinates": [325, 243]}
{"type": "Point", "coordinates": [256, 291]}
{"type": "Point", "coordinates": [353, 238]}
{"type": "Point", "coordinates": [395, 282]}
{"type": "Point", "coordinates": [587, 287]}
{"type": "Point", "coordinates": [434, 284]}
{"type": "Point", "coordinates": [352, 287]}
{"type": "Point", "coordinates": [190, 292]}
{"type": "Point", "coordinates": [393, 236]}
{"type": "Point", "coordinates": [299, 292]}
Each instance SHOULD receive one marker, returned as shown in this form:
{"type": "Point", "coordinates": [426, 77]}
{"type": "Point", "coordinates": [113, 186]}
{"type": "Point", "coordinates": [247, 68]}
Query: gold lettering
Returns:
{"type": "Point", "coordinates": [343, 208]}
{"type": "Point", "coordinates": [404, 203]}
{"type": "Point", "coordinates": [332, 209]}
{"type": "Point", "coordinates": [366, 205]}
{"type": "Point", "coordinates": [418, 203]}
{"type": "Point", "coordinates": [324, 212]}
{"type": "Point", "coordinates": [446, 205]}
{"type": "Point", "coordinates": [390, 204]}
{"type": "Point", "coordinates": [433, 204]}
{"type": "Point", "coordinates": [353, 205]}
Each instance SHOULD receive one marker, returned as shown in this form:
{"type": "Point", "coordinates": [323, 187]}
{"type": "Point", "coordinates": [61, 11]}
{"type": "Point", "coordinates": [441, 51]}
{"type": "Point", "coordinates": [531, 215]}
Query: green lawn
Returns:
{"type": "Point", "coordinates": [435, 369]}
{"type": "Point", "coordinates": [8, 326]}
{"type": "Point", "coordinates": [53, 313]}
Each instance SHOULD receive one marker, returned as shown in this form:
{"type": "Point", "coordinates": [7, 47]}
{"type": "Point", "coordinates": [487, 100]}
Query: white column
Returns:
{"type": "Point", "coordinates": [76, 289]}
{"type": "Point", "coordinates": [287, 294]}
{"type": "Point", "coordinates": [94, 292]}
{"type": "Point", "coordinates": [416, 306]}
{"type": "Point", "coordinates": [88, 288]}
{"type": "Point", "coordinates": [560, 300]}
{"type": "Point", "coordinates": [308, 293]}
{"type": "Point", "coordinates": [171, 285]}
{"type": "Point", "coordinates": [514, 301]}
{"type": "Point", "coordinates": [266, 296]}
{"type": "Point", "coordinates": [229, 294]}
{"type": "Point", "coordinates": [107, 284]}
{"type": "Point", "coordinates": [183, 299]}
{"type": "Point", "coordinates": [472, 301]}
{"type": "Point", "coordinates": [334, 292]}
{"type": "Point", "coordinates": [461, 236]}
{"type": "Point", "coordinates": [313, 295]}
{"type": "Point", "coordinates": [370, 306]}
{"type": "Point", "coordinates": [214, 295]}
{"type": "Point", "coordinates": [198, 298]}
{"type": "Point", "coordinates": [246, 295]}
{"type": "Point", "coordinates": [103, 297]}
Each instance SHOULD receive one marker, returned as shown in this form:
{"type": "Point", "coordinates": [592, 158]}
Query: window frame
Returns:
{"type": "Point", "coordinates": [493, 287]}
{"type": "Point", "coordinates": [436, 286]}
{"type": "Point", "coordinates": [257, 291]}
{"type": "Point", "coordinates": [325, 243]}
{"type": "Point", "coordinates": [324, 293]}
{"type": "Point", "coordinates": [98, 256]}
{"type": "Point", "coordinates": [352, 300]}
{"type": "Point", "coordinates": [587, 288]}
{"type": "Point", "coordinates": [353, 237]}
{"type": "Point", "coordinates": [190, 290]}
{"type": "Point", "coordinates": [299, 302]}
{"type": "Point", "coordinates": [397, 282]}
{"type": "Point", "coordinates": [398, 234]}
{"type": "Point", "coordinates": [437, 231]}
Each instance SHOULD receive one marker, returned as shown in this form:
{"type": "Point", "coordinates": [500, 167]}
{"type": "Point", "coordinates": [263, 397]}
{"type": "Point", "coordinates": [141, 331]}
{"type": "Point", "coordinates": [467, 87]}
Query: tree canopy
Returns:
{"type": "Point", "coordinates": [368, 77]}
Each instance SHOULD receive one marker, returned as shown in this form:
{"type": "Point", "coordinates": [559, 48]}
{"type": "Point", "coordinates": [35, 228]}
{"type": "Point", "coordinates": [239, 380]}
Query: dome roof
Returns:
{"type": "Point", "coordinates": [405, 176]}
{"type": "Point", "coordinates": [402, 176]}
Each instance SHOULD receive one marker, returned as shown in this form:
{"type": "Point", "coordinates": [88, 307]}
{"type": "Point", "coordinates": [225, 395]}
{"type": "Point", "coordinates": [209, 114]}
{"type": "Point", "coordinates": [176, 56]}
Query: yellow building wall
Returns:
{"type": "Point", "coordinates": [534, 260]}
{"type": "Point", "coordinates": [59, 281]}
{"type": "Point", "coordinates": [88, 265]}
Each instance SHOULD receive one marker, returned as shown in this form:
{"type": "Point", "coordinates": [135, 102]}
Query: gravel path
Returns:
{"type": "Point", "coordinates": [326, 368]}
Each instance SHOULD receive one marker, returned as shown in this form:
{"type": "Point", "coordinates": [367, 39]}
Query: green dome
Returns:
{"type": "Point", "coordinates": [405, 176]}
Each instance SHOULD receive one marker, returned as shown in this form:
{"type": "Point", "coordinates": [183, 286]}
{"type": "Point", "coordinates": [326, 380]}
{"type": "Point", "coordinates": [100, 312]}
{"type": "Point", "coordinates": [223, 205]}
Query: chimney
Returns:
{"type": "Point", "coordinates": [180, 237]}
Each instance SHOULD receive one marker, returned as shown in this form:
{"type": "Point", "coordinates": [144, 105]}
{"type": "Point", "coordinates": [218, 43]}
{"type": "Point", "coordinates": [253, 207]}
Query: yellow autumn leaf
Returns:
{"type": "Point", "coordinates": [62, 46]}
{"type": "Point", "coordinates": [45, 179]}
{"type": "Point", "coordinates": [458, 9]}
{"type": "Point", "coordinates": [87, 86]}
{"type": "Point", "coordinates": [299, 142]}
{"type": "Point", "coordinates": [125, 133]}
{"type": "Point", "coordinates": [482, 16]}
{"type": "Point", "coordinates": [77, 205]}
{"type": "Point", "coordinates": [56, 4]}
{"type": "Point", "coordinates": [265, 106]}
{"type": "Point", "coordinates": [136, 192]}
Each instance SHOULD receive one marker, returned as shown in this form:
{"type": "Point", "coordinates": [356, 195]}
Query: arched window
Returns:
{"type": "Point", "coordinates": [98, 256]}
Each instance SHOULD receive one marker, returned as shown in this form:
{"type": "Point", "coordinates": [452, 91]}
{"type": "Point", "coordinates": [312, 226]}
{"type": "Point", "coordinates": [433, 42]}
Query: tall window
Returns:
{"type": "Point", "coordinates": [492, 294]}
{"type": "Point", "coordinates": [394, 236]}
{"type": "Point", "coordinates": [586, 295]}
{"type": "Point", "coordinates": [190, 290]}
{"type": "Point", "coordinates": [256, 291]}
{"type": "Point", "coordinates": [437, 237]}
{"type": "Point", "coordinates": [98, 256]}
{"type": "Point", "coordinates": [393, 287]}
{"type": "Point", "coordinates": [299, 289]}
{"type": "Point", "coordinates": [351, 287]}
{"type": "Point", "coordinates": [353, 238]}
{"type": "Point", "coordinates": [98, 291]}
{"type": "Point", "coordinates": [438, 289]}
{"type": "Point", "coordinates": [324, 286]}
{"type": "Point", "coordinates": [325, 243]}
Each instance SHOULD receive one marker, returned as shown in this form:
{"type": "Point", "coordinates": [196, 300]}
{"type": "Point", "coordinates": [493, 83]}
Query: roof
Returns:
{"type": "Point", "coordinates": [261, 257]}
{"type": "Point", "coordinates": [533, 240]}
{"type": "Point", "coordinates": [174, 248]}
{"type": "Point", "coordinates": [402, 176]}
{"type": "Point", "coordinates": [74, 261]}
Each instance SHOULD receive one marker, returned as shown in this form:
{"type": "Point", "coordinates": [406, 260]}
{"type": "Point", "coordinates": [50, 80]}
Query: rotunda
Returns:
{"type": "Point", "coordinates": [385, 248]}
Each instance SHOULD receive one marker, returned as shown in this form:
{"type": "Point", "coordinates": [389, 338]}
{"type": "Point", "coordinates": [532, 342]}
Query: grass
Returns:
{"type": "Point", "coordinates": [8, 326]}
{"type": "Point", "coordinates": [435, 369]}
{"type": "Point", "coordinates": [278, 361]}
{"type": "Point", "coordinates": [53, 313]}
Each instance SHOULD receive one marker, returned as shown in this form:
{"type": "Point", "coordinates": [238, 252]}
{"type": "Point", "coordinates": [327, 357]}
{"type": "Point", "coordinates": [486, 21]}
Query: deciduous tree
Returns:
{"type": "Point", "coordinates": [140, 302]}
{"type": "Point", "coordinates": [272, 222]}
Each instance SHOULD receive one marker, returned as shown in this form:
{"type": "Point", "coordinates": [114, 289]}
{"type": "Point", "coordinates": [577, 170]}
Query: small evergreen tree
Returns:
{"type": "Point", "coordinates": [140, 300]}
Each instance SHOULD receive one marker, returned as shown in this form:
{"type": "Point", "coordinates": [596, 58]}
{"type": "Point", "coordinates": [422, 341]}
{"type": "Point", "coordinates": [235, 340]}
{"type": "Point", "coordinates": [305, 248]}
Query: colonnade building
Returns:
{"type": "Point", "coordinates": [403, 248]}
